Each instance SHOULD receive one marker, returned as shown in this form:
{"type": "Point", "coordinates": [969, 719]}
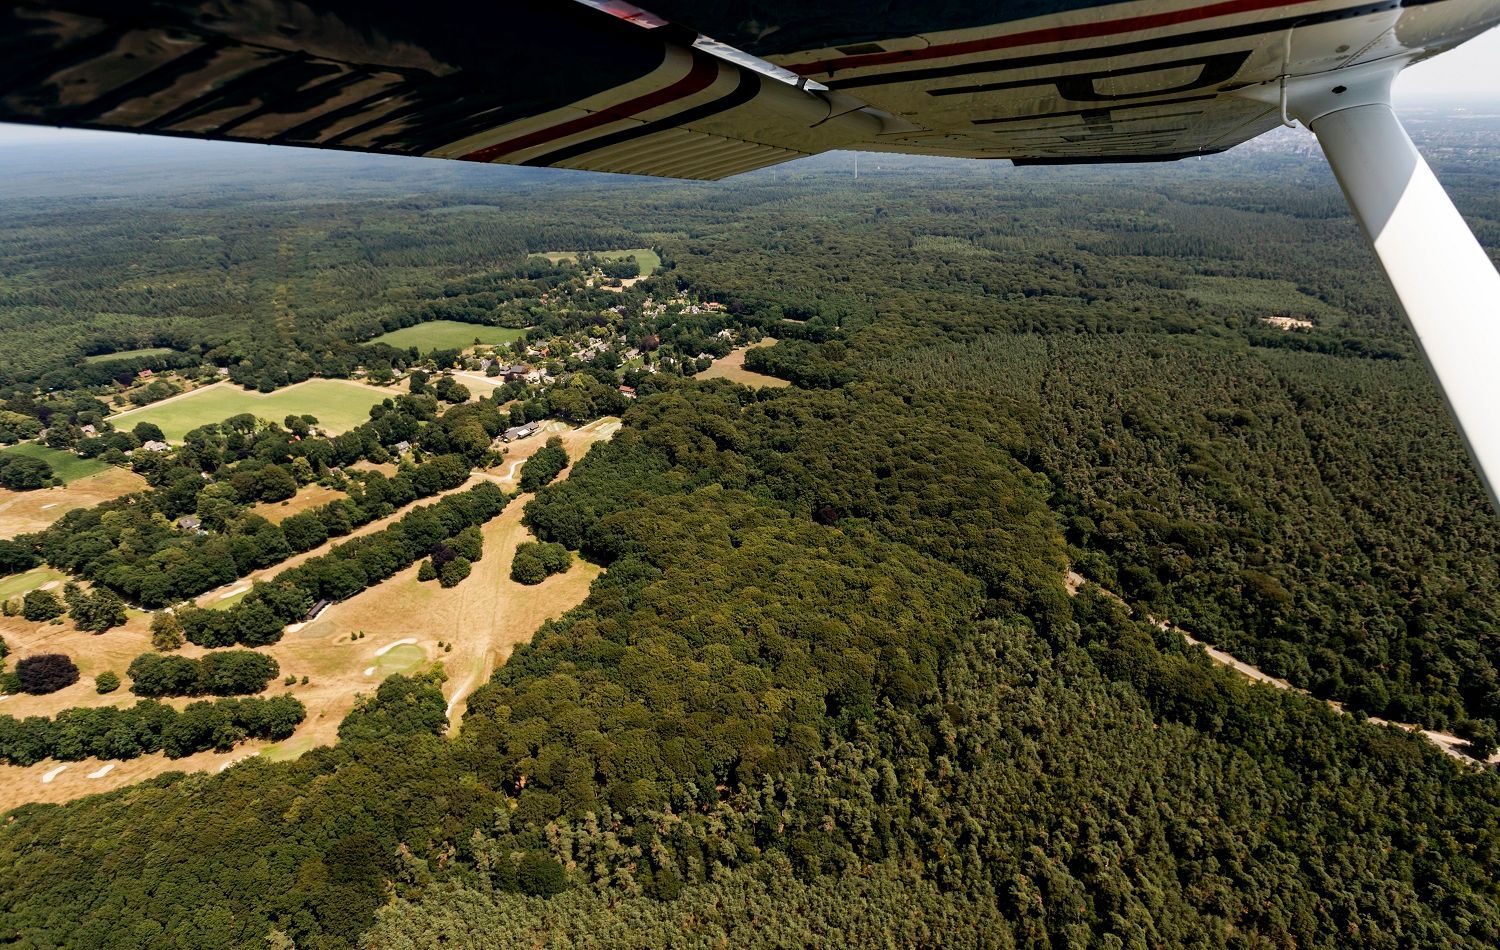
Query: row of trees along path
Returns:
{"type": "Point", "coordinates": [1449, 743]}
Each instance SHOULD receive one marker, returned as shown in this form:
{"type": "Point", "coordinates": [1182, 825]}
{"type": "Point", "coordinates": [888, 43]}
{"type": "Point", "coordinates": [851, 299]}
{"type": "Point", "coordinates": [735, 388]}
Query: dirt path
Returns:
{"type": "Point", "coordinates": [1448, 742]}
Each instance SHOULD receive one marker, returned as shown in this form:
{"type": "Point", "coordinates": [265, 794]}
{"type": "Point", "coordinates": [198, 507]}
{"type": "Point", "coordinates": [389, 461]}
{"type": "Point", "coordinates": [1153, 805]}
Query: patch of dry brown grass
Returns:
{"type": "Point", "coordinates": [483, 618]}
{"type": "Point", "coordinates": [25, 512]}
{"type": "Point", "coordinates": [311, 496]}
{"type": "Point", "coordinates": [732, 368]}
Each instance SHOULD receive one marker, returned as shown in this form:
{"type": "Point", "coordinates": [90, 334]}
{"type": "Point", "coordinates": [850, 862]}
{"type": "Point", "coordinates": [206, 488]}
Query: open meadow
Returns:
{"type": "Point", "coordinates": [448, 335]}
{"type": "Point", "coordinates": [130, 354]}
{"type": "Point", "coordinates": [28, 511]}
{"type": "Point", "coordinates": [732, 368]}
{"type": "Point", "coordinates": [399, 624]}
{"type": "Point", "coordinates": [307, 497]}
{"type": "Point", "coordinates": [65, 465]}
{"type": "Point", "coordinates": [649, 260]}
{"type": "Point", "coordinates": [338, 404]}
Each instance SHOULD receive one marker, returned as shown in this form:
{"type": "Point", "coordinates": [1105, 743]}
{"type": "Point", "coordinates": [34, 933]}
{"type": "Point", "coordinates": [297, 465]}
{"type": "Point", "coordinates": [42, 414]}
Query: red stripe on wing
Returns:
{"type": "Point", "coordinates": [705, 70]}
{"type": "Point", "coordinates": [1051, 34]}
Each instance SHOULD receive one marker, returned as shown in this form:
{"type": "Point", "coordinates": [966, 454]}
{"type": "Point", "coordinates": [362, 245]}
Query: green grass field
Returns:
{"type": "Point", "coordinates": [447, 335]}
{"type": "Point", "coordinates": [648, 259]}
{"type": "Point", "coordinates": [224, 603]}
{"type": "Point", "coordinates": [403, 659]}
{"type": "Point", "coordinates": [130, 354]}
{"type": "Point", "coordinates": [18, 584]}
{"type": "Point", "coordinates": [337, 404]}
{"type": "Point", "coordinates": [65, 465]}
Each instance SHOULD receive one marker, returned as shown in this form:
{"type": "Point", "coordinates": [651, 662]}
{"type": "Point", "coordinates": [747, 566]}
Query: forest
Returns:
{"type": "Point", "coordinates": [831, 680]}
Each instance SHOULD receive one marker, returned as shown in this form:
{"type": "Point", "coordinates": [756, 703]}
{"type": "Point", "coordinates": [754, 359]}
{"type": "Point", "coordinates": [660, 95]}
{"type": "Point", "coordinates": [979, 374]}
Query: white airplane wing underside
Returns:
{"type": "Point", "coordinates": [606, 86]}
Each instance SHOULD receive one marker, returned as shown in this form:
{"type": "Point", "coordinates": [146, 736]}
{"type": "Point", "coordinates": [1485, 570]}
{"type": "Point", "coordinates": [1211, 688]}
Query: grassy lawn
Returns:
{"type": "Point", "coordinates": [338, 405]}
{"type": "Point", "coordinates": [403, 659]}
{"type": "Point", "coordinates": [447, 335]}
{"type": "Point", "coordinates": [65, 465]}
{"type": "Point", "coordinates": [130, 354]}
{"type": "Point", "coordinates": [224, 603]}
{"type": "Point", "coordinates": [649, 260]}
{"type": "Point", "coordinates": [18, 584]}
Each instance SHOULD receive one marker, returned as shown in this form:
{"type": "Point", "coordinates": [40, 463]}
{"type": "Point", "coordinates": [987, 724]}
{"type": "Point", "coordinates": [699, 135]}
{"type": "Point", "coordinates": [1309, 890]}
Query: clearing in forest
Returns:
{"type": "Point", "coordinates": [732, 368]}
{"type": "Point", "coordinates": [28, 511]}
{"type": "Point", "coordinates": [649, 260]}
{"type": "Point", "coordinates": [338, 404]}
{"type": "Point", "coordinates": [307, 498]}
{"type": "Point", "coordinates": [448, 335]}
{"type": "Point", "coordinates": [130, 354]}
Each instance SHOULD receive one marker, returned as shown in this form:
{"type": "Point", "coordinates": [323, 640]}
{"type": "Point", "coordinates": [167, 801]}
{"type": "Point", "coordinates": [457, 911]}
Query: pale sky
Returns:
{"type": "Point", "coordinates": [1472, 71]}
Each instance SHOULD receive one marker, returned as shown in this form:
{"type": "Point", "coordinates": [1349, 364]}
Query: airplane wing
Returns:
{"type": "Point", "coordinates": [609, 87]}
{"type": "Point", "coordinates": [547, 83]}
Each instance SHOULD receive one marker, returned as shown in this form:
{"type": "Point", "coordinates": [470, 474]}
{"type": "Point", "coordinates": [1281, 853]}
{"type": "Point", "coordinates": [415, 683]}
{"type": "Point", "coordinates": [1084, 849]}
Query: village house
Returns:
{"type": "Point", "coordinates": [154, 445]}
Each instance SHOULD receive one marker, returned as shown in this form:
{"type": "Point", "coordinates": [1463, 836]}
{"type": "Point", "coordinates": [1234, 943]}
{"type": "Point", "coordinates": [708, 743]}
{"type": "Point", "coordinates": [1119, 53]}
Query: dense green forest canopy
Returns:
{"type": "Point", "coordinates": [831, 681]}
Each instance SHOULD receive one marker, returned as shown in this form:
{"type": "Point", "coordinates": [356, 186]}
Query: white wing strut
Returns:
{"type": "Point", "coordinates": [1443, 277]}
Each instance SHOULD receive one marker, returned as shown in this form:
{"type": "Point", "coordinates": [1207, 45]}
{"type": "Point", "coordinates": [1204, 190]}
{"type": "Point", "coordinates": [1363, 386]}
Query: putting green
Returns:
{"type": "Point", "coordinates": [401, 659]}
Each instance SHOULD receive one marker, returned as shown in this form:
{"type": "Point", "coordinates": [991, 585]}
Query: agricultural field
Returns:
{"type": "Point", "coordinates": [65, 465]}
{"type": "Point", "coordinates": [338, 404]}
{"type": "Point", "coordinates": [732, 368]}
{"type": "Point", "coordinates": [448, 335]}
{"type": "Point", "coordinates": [130, 354]}
{"type": "Point", "coordinates": [648, 259]}
{"type": "Point", "coordinates": [25, 512]}
{"type": "Point", "coordinates": [401, 622]}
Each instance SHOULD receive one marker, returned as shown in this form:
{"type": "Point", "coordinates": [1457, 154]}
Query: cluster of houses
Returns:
{"type": "Point", "coordinates": [509, 372]}
{"type": "Point", "coordinates": [651, 308]}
